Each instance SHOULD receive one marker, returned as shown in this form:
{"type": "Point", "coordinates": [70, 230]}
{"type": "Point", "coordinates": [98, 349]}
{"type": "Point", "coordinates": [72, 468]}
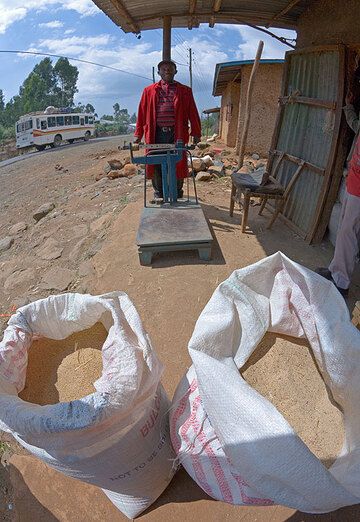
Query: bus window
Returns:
{"type": "Point", "coordinates": [86, 120]}
{"type": "Point", "coordinates": [75, 120]}
{"type": "Point", "coordinates": [43, 125]}
{"type": "Point", "coordinates": [60, 121]}
{"type": "Point", "coordinates": [82, 121]}
{"type": "Point", "coordinates": [51, 121]}
{"type": "Point", "coordinates": [28, 125]}
{"type": "Point", "coordinates": [91, 120]}
{"type": "Point", "coordinates": [18, 127]}
{"type": "Point", "coordinates": [68, 120]}
{"type": "Point", "coordinates": [37, 123]}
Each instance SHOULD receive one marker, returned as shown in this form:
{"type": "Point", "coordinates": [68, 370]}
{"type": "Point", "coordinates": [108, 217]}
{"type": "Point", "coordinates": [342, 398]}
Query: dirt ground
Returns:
{"type": "Point", "coordinates": [93, 227]}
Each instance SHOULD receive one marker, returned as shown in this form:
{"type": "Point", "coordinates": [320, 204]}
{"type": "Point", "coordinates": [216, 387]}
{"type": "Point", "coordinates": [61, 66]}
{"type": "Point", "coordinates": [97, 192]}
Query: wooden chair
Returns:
{"type": "Point", "coordinates": [356, 315]}
{"type": "Point", "coordinates": [250, 186]}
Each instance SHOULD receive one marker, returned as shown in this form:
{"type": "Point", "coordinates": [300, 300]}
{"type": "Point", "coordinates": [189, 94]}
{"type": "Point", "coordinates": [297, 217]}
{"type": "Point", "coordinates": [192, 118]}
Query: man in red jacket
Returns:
{"type": "Point", "coordinates": [164, 113]}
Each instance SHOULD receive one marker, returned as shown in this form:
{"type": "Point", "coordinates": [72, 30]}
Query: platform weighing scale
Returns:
{"type": "Point", "coordinates": [175, 224]}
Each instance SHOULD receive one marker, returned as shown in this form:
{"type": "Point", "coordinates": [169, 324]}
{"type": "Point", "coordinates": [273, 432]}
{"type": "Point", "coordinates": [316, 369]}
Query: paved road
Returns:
{"type": "Point", "coordinates": [65, 146]}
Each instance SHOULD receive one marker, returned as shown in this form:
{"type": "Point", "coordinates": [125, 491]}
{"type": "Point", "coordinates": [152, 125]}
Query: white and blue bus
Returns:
{"type": "Point", "coordinates": [39, 129]}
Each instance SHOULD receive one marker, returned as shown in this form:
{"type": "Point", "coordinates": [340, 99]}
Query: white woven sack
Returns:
{"type": "Point", "coordinates": [116, 438]}
{"type": "Point", "coordinates": [233, 442]}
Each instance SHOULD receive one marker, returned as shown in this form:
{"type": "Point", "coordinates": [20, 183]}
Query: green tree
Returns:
{"type": "Point", "coordinates": [90, 109]}
{"type": "Point", "coordinates": [116, 108]}
{"type": "Point", "coordinates": [66, 76]}
{"type": "Point", "coordinates": [2, 101]}
{"type": "Point", "coordinates": [46, 71]}
{"type": "Point", "coordinates": [34, 93]}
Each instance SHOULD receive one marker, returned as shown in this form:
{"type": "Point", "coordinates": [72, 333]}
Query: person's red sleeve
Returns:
{"type": "Point", "coordinates": [194, 118]}
{"type": "Point", "coordinates": [140, 121]}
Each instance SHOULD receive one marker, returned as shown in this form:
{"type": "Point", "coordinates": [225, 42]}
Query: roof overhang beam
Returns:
{"type": "Point", "coordinates": [286, 9]}
{"type": "Point", "coordinates": [121, 9]}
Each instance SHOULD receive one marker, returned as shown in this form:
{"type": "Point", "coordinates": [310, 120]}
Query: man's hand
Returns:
{"type": "Point", "coordinates": [349, 98]}
{"type": "Point", "coordinates": [196, 139]}
{"type": "Point", "coordinates": [137, 140]}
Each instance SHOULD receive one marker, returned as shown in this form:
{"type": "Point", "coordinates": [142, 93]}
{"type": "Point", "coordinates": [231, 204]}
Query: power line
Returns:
{"type": "Point", "coordinates": [76, 60]}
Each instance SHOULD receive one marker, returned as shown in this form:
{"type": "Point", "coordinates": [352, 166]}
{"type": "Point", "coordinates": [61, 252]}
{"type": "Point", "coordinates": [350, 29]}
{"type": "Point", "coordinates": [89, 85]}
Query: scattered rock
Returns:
{"type": "Point", "coordinates": [113, 174]}
{"type": "Point", "coordinates": [213, 138]}
{"type": "Point", "coordinates": [203, 176]}
{"type": "Point", "coordinates": [100, 223]}
{"type": "Point", "coordinates": [58, 167]}
{"type": "Point", "coordinates": [19, 227]}
{"type": "Point", "coordinates": [50, 250]}
{"type": "Point", "coordinates": [203, 145]}
{"type": "Point", "coordinates": [57, 279]}
{"type": "Point", "coordinates": [198, 164]}
{"type": "Point", "coordinates": [19, 278]}
{"type": "Point", "coordinates": [43, 211]}
{"type": "Point", "coordinates": [227, 163]}
{"type": "Point", "coordinates": [255, 156]}
{"type": "Point", "coordinates": [6, 243]}
{"type": "Point", "coordinates": [217, 170]}
{"type": "Point", "coordinates": [208, 160]}
{"type": "Point", "coordinates": [129, 170]}
{"type": "Point", "coordinates": [113, 164]}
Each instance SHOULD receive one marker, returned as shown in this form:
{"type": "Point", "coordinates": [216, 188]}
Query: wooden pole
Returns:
{"type": "Point", "coordinates": [166, 55]}
{"type": "Point", "coordinates": [153, 74]}
{"type": "Point", "coordinates": [245, 129]}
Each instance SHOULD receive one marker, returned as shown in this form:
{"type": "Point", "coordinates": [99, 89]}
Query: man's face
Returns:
{"type": "Point", "coordinates": [167, 72]}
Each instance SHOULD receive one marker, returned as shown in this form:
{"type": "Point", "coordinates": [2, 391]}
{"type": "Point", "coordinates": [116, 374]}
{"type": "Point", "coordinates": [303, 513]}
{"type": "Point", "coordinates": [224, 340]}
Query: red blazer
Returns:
{"type": "Point", "coordinates": [185, 111]}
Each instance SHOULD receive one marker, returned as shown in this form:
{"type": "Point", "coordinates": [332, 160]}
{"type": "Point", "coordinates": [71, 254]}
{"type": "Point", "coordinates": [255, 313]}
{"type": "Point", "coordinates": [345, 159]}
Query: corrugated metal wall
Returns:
{"type": "Point", "coordinates": [307, 131]}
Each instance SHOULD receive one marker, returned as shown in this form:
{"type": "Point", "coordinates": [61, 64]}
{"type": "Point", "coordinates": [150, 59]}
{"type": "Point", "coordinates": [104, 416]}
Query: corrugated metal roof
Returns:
{"type": "Point", "coordinates": [307, 131]}
{"type": "Point", "coordinates": [138, 15]}
{"type": "Point", "coordinates": [231, 71]}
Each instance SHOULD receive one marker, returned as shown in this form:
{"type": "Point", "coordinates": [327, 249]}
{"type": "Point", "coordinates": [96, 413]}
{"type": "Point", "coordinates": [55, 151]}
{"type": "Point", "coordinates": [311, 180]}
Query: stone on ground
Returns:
{"type": "Point", "coordinates": [50, 250]}
{"type": "Point", "coordinates": [203, 176]}
{"type": "Point", "coordinates": [43, 211]}
{"type": "Point", "coordinates": [17, 228]}
{"type": "Point", "coordinates": [6, 243]}
{"type": "Point", "coordinates": [57, 278]}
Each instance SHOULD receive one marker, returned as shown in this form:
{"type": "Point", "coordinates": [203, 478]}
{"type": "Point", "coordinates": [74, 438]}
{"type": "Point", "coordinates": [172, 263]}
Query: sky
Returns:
{"type": "Point", "coordinates": [78, 29]}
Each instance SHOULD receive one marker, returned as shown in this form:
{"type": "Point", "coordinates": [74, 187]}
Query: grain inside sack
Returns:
{"type": "Point", "coordinates": [65, 370]}
{"type": "Point", "coordinates": [283, 370]}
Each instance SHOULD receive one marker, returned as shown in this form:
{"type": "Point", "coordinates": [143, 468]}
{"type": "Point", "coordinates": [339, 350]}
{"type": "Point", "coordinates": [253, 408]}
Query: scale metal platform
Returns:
{"type": "Point", "coordinates": [169, 228]}
{"type": "Point", "coordinates": [176, 224]}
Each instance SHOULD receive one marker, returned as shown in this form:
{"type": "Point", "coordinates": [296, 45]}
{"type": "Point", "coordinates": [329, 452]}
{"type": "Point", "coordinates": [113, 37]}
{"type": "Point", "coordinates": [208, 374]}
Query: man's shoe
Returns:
{"type": "Point", "coordinates": [325, 272]}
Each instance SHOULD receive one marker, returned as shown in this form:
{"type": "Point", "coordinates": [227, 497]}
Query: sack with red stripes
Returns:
{"type": "Point", "coordinates": [232, 441]}
{"type": "Point", "coordinates": [118, 437]}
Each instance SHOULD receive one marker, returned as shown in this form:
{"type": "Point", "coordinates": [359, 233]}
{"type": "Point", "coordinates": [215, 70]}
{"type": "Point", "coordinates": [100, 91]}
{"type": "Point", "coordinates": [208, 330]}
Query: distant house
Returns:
{"type": "Point", "coordinates": [231, 83]}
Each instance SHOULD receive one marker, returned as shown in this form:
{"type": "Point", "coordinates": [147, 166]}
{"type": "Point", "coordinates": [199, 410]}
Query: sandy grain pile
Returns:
{"type": "Point", "coordinates": [284, 371]}
{"type": "Point", "coordinates": [61, 371]}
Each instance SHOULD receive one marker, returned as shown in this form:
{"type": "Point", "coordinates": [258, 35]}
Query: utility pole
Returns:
{"type": "Point", "coordinates": [153, 74]}
{"type": "Point", "coordinates": [190, 67]}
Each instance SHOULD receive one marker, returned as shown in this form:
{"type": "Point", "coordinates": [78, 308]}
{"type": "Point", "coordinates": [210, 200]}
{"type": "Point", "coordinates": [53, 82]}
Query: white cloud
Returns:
{"type": "Point", "coordinates": [70, 31]}
{"type": "Point", "coordinates": [19, 10]}
{"type": "Point", "coordinates": [10, 15]}
{"type": "Point", "coordinates": [103, 87]}
{"type": "Point", "coordinates": [52, 25]}
{"type": "Point", "coordinates": [273, 48]}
